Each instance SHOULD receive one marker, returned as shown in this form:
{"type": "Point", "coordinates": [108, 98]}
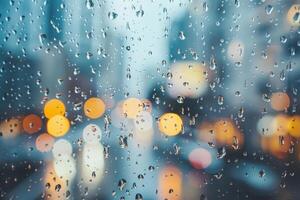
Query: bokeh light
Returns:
{"type": "Point", "coordinates": [55, 187]}
{"type": "Point", "coordinates": [293, 15]}
{"type": "Point", "coordinates": [170, 183]}
{"type": "Point", "coordinates": [65, 167]}
{"type": "Point", "coordinates": [170, 124]}
{"type": "Point", "coordinates": [92, 165]}
{"type": "Point", "coordinates": [221, 132]}
{"type": "Point", "coordinates": [187, 79]}
{"type": "Point", "coordinates": [207, 133]}
{"type": "Point", "coordinates": [226, 133]}
{"type": "Point", "coordinates": [94, 108]}
{"type": "Point", "coordinates": [200, 158]}
{"type": "Point", "coordinates": [92, 134]}
{"type": "Point", "coordinates": [44, 142]}
{"type": "Point", "coordinates": [294, 126]}
{"type": "Point", "coordinates": [277, 145]}
{"type": "Point", "coordinates": [143, 122]}
{"type": "Point", "coordinates": [54, 107]}
{"type": "Point", "coordinates": [281, 123]}
{"type": "Point", "coordinates": [58, 126]}
{"type": "Point", "coordinates": [132, 107]}
{"type": "Point", "coordinates": [61, 147]}
{"type": "Point", "coordinates": [266, 126]}
{"type": "Point", "coordinates": [236, 51]}
{"type": "Point", "coordinates": [10, 128]}
{"type": "Point", "coordinates": [280, 101]}
{"type": "Point", "coordinates": [32, 123]}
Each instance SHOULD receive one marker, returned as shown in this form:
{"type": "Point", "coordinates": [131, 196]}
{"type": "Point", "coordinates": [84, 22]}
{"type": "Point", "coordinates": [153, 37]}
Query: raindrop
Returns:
{"type": "Point", "coordinates": [220, 100]}
{"type": "Point", "coordinates": [57, 187]}
{"type": "Point", "coordinates": [169, 75]}
{"type": "Point", "coordinates": [181, 35]}
{"type": "Point", "coordinates": [89, 55]}
{"type": "Point", "coordinates": [47, 185]}
{"type": "Point", "coordinates": [235, 143]}
{"type": "Point", "coordinates": [112, 15]}
{"type": "Point", "coordinates": [283, 39]}
{"type": "Point", "coordinates": [262, 173]}
{"type": "Point", "coordinates": [106, 151]}
{"type": "Point", "coordinates": [123, 141]}
{"type": "Point", "coordinates": [140, 13]}
{"type": "Point", "coordinates": [241, 112]}
{"type": "Point", "coordinates": [140, 176]}
{"type": "Point", "coordinates": [68, 193]}
{"type": "Point", "coordinates": [121, 184]}
{"type": "Point", "coordinates": [205, 6]}
{"type": "Point", "coordinates": [213, 64]}
{"type": "Point", "coordinates": [89, 4]}
{"type": "Point", "coordinates": [282, 75]}
{"type": "Point", "coordinates": [269, 9]}
{"type": "Point", "coordinates": [266, 98]}
{"type": "Point", "coordinates": [176, 149]}
{"type": "Point", "coordinates": [42, 38]}
{"type": "Point", "coordinates": [180, 99]}
{"type": "Point", "coordinates": [93, 174]}
{"type": "Point", "coordinates": [138, 196]}
{"type": "Point", "coordinates": [296, 17]}
{"type": "Point", "coordinates": [237, 3]}
{"type": "Point", "coordinates": [151, 168]}
{"type": "Point", "coordinates": [221, 153]}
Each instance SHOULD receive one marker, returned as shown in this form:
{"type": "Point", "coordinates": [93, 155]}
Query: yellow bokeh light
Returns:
{"type": "Point", "coordinates": [170, 124]}
{"type": "Point", "coordinates": [94, 108]}
{"type": "Point", "coordinates": [54, 107]}
{"type": "Point", "coordinates": [132, 107]}
{"type": "Point", "coordinates": [294, 126]}
{"type": "Point", "coordinates": [58, 126]}
{"type": "Point", "coordinates": [188, 79]}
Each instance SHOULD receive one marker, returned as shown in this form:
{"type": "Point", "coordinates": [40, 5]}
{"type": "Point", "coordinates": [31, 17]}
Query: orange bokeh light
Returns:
{"type": "Point", "coordinates": [55, 187]}
{"type": "Point", "coordinates": [292, 12]}
{"type": "Point", "coordinates": [294, 126]}
{"type": "Point", "coordinates": [54, 107]}
{"type": "Point", "coordinates": [44, 142]}
{"type": "Point", "coordinates": [10, 128]}
{"type": "Point", "coordinates": [227, 133]}
{"type": "Point", "coordinates": [94, 108]}
{"type": "Point", "coordinates": [32, 123]}
{"type": "Point", "coordinates": [280, 101]}
{"type": "Point", "coordinates": [170, 183]}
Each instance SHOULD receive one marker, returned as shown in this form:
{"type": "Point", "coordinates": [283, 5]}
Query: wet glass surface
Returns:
{"type": "Point", "coordinates": [153, 99]}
